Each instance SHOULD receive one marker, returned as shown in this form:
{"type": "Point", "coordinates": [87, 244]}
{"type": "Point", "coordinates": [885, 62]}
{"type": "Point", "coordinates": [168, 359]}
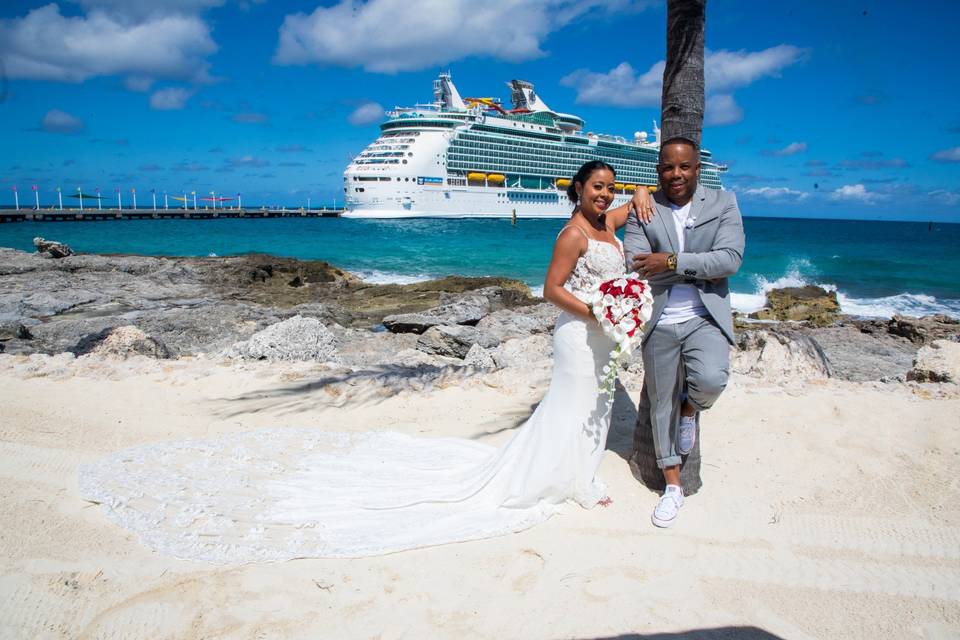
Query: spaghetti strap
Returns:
{"type": "Point", "coordinates": [573, 226]}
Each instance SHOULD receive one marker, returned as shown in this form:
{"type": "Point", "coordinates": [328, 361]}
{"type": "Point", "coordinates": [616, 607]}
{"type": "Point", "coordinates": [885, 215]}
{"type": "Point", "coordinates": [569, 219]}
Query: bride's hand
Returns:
{"type": "Point", "coordinates": [642, 204]}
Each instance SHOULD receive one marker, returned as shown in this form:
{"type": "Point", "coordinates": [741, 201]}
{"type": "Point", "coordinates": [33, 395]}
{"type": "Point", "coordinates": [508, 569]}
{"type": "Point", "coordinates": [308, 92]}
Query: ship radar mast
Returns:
{"type": "Point", "coordinates": [656, 132]}
{"type": "Point", "coordinates": [445, 94]}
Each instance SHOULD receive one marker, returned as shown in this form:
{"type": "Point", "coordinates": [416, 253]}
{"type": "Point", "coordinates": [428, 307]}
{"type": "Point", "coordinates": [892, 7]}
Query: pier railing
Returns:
{"type": "Point", "coordinates": [86, 215]}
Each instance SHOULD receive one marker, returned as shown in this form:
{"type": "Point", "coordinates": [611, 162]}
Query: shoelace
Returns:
{"type": "Point", "coordinates": [673, 498]}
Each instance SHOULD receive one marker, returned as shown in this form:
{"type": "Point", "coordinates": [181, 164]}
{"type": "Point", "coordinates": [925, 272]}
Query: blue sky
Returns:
{"type": "Point", "coordinates": [821, 109]}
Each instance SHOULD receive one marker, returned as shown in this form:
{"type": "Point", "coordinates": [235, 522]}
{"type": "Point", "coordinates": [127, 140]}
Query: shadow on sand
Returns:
{"type": "Point", "coordinates": [367, 386]}
{"type": "Point", "coordinates": [717, 633]}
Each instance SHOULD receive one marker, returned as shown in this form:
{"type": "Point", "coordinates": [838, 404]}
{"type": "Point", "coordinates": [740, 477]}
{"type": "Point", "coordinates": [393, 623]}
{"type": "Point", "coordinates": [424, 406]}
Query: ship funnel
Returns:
{"type": "Point", "coordinates": [523, 96]}
{"type": "Point", "coordinates": [445, 94]}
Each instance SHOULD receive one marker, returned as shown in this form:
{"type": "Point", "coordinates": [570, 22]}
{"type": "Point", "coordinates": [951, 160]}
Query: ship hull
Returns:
{"type": "Point", "coordinates": [464, 204]}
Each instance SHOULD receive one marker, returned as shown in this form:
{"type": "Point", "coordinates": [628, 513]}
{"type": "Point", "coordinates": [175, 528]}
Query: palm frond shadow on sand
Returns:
{"type": "Point", "coordinates": [360, 387]}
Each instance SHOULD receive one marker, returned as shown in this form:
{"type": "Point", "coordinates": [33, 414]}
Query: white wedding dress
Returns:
{"type": "Point", "coordinates": [279, 494]}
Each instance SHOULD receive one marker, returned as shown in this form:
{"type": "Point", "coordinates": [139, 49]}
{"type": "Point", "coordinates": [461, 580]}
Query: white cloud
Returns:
{"type": "Point", "coordinates": [724, 71]}
{"type": "Point", "coordinates": [170, 99]}
{"type": "Point", "coordinates": [388, 36]}
{"type": "Point", "coordinates": [248, 161]}
{"type": "Point", "coordinates": [790, 150]}
{"type": "Point", "coordinates": [366, 113]}
{"type": "Point", "coordinates": [942, 196]}
{"type": "Point", "coordinates": [855, 193]}
{"type": "Point", "coordinates": [620, 87]}
{"type": "Point", "coordinates": [45, 45]}
{"type": "Point", "coordinates": [777, 193]}
{"type": "Point", "coordinates": [57, 121]}
{"type": "Point", "coordinates": [721, 110]}
{"type": "Point", "coordinates": [947, 155]}
{"type": "Point", "coordinates": [139, 9]}
{"type": "Point", "coordinates": [138, 83]}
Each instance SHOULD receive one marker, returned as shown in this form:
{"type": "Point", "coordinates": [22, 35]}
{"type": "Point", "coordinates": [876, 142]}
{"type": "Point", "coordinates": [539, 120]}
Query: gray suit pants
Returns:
{"type": "Point", "coordinates": [691, 357]}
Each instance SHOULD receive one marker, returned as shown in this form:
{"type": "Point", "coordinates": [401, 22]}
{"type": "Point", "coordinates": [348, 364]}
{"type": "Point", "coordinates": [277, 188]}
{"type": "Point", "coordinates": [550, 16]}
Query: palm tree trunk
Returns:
{"type": "Point", "coordinates": [683, 89]}
{"type": "Point", "coordinates": [643, 459]}
{"type": "Point", "coordinates": [681, 116]}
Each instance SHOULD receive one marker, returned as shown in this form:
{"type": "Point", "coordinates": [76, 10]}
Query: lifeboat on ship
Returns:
{"type": "Point", "coordinates": [496, 178]}
{"type": "Point", "coordinates": [474, 176]}
{"type": "Point", "coordinates": [630, 188]}
{"type": "Point", "coordinates": [563, 183]}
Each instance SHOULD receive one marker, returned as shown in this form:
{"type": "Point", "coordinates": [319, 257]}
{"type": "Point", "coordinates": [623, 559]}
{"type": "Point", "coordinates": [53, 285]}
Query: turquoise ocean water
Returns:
{"type": "Point", "coordinates": [877, 268]}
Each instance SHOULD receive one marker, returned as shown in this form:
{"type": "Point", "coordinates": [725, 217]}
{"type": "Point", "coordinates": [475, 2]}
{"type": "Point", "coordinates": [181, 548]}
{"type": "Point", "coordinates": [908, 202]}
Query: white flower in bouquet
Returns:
{"type": "Point", "coordinates": [622, 307]}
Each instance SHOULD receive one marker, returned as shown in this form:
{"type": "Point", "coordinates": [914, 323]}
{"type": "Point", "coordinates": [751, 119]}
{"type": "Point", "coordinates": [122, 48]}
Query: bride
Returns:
{"type": "Point", "coordinates": [280, 494]}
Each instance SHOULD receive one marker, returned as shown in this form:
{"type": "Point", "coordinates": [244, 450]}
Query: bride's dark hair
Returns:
{"type": "Point", "coordinates": [583, 174]}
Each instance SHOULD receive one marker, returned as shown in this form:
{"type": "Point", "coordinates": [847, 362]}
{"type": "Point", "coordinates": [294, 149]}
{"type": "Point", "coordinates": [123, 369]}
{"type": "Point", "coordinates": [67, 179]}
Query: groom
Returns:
{"type": "Point", "coordinates": [687, 252]}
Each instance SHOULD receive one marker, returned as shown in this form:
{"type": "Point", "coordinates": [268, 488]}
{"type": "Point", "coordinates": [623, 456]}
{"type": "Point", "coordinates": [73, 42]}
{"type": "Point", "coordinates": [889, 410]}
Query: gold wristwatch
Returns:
{"type": "Point", "coordinates": [672, 262]}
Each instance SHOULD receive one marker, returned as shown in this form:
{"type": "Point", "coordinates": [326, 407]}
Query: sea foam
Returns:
{"type": "Point", "coordinates": [382, 277]}
{"type": "Point", "coordinates": [907, 304]}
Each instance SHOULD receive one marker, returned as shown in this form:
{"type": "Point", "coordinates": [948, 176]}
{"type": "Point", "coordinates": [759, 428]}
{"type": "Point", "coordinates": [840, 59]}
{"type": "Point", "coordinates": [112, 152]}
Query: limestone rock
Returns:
{"type": "Point", "coordinates": [857, 355]}
{"type": "Point", "coordinates": [297, 338]}
{"type": "Point", "coordinates": [926, 329]}
{"type": "Point", "coordinates": [523, 352]}
{"type": "Point", "coordinates": [938, 361]}
{"type": "Point", "coordinates": [52, 248]}
{"type": "Point", "coordinates": [374, 302]}
{"type": "Point", "coordinates": [450, 340]}
{"type": "Point", "coordinates": [362, 347]}
{"type": "Point", "coordinates": [123, 342]}
{"type": "Point", "coordinates": [507, 324]}
{"type": "Point", "coordinates": [479, 358]}
{"type": "Point", "coordinates": [810, 303]}
{"type": "Point", "coordinates": [416, 358]}
{"type": "Point", "coordinates": [466, 310]}
{"type": "Point", "coordinates": [779, 356]}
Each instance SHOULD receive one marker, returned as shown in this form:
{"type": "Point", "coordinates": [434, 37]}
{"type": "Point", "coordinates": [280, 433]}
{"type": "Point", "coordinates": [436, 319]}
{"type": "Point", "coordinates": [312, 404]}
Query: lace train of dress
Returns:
{"type": "Point", "coordinates": [279, 494]}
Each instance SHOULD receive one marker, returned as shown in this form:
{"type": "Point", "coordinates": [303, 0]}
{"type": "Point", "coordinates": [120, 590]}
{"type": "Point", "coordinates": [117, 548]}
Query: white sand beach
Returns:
{"type": "Point", "coordinates": [829, 509]}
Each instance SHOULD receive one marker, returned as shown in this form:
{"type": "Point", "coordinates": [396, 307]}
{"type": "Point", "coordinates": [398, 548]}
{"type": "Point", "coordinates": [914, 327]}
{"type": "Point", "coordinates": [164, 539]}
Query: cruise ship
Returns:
{"type": "Point", "coordinates": [472, 158]}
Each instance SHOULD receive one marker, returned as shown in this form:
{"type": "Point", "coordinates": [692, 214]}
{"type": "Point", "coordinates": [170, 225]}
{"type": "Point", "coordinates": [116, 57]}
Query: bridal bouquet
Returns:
{"type": "Point", "coordinates": [622, 306]}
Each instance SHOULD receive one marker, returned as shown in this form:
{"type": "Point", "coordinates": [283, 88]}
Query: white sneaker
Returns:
{"type": "Point", "coordinates": [687, 434]}
{"type": "Point", "coordinates": [669, 506]}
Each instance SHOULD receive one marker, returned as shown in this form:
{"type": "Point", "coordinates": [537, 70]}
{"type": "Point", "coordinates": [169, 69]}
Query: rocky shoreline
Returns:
{"type": "Point", "coordinates": [258, 307]}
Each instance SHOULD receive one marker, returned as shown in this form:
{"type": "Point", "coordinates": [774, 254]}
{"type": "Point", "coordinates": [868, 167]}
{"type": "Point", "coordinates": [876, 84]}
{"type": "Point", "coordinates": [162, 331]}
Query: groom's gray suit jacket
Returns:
{"type": "Point", "coordinates": [713, 251]}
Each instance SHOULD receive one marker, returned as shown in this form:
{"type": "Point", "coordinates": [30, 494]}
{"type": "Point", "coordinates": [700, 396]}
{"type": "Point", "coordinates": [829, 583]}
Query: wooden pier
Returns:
{"type": "Point", "coordinates": [89, 215]}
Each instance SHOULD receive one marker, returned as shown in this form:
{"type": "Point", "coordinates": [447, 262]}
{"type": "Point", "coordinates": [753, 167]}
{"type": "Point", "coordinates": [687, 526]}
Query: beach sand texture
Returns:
{"type": "Point", "coordinates": [830, 509]}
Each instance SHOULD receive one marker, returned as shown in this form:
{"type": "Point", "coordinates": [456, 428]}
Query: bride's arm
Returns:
{"type": "Point", "coordinates": [641, 202]}
{"type": "Point", "coordinates": [568, 248]}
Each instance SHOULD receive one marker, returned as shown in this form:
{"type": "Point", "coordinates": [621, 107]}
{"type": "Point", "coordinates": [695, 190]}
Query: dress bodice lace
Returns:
{"type": "Point", "coordinates": [600, 262]}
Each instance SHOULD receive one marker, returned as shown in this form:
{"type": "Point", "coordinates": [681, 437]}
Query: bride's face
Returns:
{"type": "Point", "coordinates": [596, 194]}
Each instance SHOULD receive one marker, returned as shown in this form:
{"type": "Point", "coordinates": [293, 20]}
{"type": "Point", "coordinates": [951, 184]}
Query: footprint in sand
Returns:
{"type": "Point", "coordinates": [523, 570]}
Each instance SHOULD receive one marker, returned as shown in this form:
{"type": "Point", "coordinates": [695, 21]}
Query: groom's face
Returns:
{"type": "Point", "coordinates": [679, 172]}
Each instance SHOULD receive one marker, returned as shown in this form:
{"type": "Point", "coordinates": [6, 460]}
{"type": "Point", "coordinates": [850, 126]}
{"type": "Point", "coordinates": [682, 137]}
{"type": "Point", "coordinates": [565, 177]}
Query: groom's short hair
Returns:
{"type": "Point", "coordinates": [679, 140]}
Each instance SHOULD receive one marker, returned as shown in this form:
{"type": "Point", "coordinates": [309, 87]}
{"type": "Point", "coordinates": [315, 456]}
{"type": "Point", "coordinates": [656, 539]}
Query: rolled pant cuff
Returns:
{"type": "Point", "coordinates": [668, 462]}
